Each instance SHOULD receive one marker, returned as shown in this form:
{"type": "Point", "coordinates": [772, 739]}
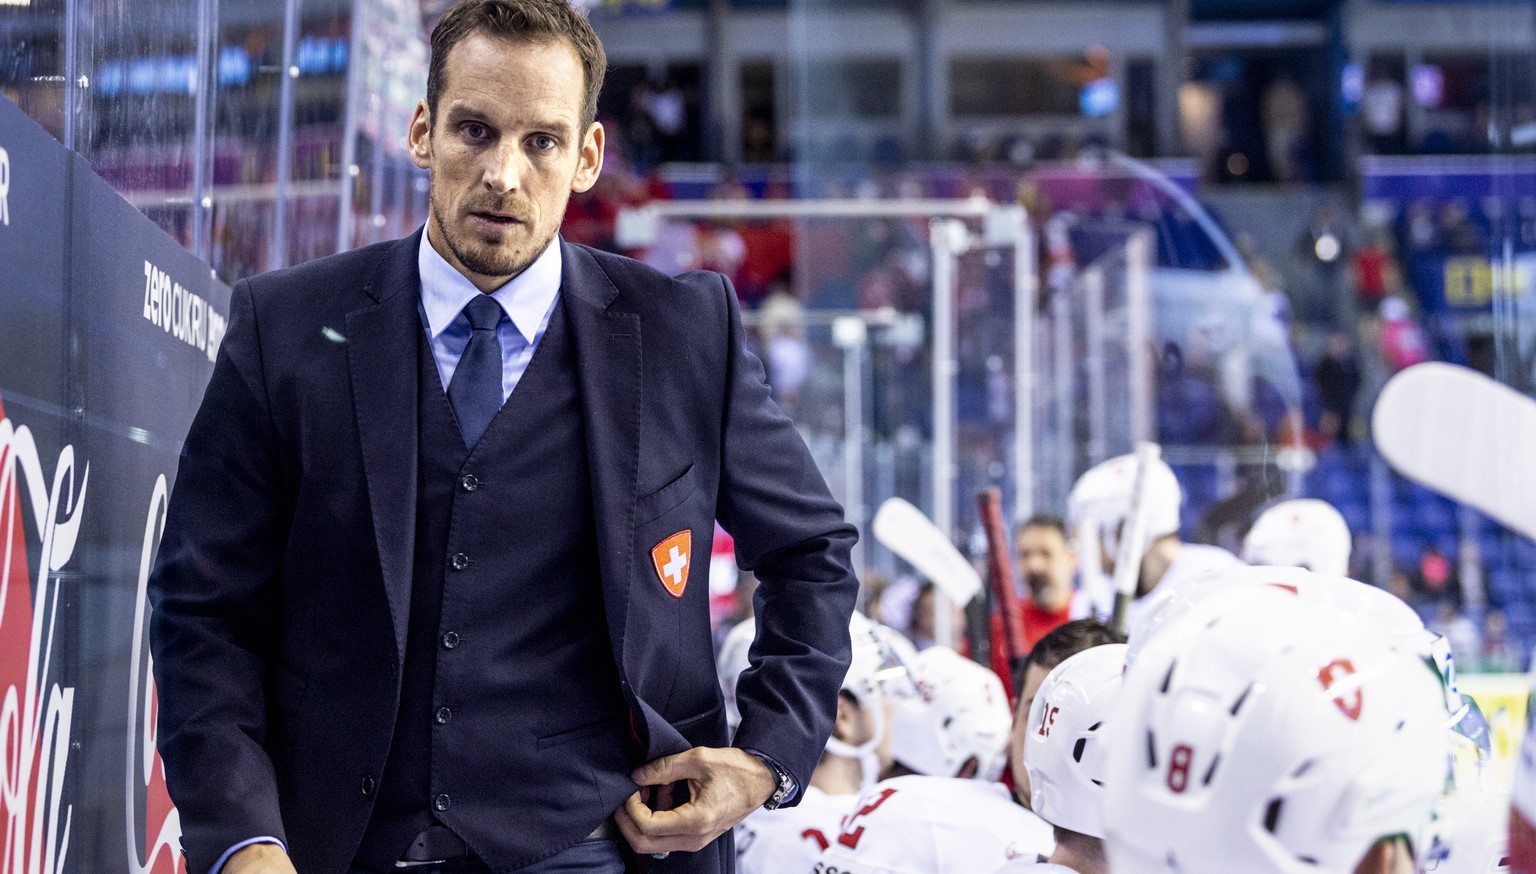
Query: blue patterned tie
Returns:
{"type": "Point", "coordinates": [475, 390]}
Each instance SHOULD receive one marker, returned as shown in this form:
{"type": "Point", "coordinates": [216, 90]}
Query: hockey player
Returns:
{"type": "Point", "coordinates": [1064, 756]}
{"type": "Point", "coordinates": [944, 814]}
{"type": "Point", "coordinates": [1100, 510]}
{"type": "Point", "coordinates": [1266, 732]}
{"type": "Point", "coordinates": [792, 838]}
{"type": "Point", "coordinates": [1304, 533]}
{"type": "Point", "coordinates": [1050, 651]}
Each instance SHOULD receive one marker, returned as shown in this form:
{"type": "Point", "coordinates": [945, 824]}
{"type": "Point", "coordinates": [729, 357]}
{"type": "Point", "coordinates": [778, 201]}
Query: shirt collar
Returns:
{"type": "Point", "coordinates": [526, 298]}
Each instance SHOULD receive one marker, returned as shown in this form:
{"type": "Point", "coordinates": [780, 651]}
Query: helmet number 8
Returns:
{"type": "Point", "coordinates": [1178, 768]}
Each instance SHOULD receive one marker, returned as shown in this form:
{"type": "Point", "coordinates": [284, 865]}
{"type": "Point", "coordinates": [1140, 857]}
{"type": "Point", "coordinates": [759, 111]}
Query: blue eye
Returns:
{"type": "Point", "coordinates": [475, 131]}
{"type": "Point", "coordinates": [543, 142]}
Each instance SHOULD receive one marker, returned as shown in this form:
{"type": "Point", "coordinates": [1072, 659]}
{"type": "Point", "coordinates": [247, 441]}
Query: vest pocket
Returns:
{"type": "Point", "coordinates": [606, 724]}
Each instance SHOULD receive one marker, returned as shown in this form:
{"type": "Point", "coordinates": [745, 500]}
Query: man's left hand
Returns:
{"type": "Point", "coordinates": [724, 785]}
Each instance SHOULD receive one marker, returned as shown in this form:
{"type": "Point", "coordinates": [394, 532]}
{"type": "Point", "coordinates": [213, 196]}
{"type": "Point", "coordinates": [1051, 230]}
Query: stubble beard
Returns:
{"type": "Point", "coordinates": [485, 259]}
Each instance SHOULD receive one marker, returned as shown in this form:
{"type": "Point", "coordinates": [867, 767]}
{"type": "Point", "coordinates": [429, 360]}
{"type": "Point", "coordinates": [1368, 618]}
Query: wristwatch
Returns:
{"type": "Point", "coordinates": [785, 788]}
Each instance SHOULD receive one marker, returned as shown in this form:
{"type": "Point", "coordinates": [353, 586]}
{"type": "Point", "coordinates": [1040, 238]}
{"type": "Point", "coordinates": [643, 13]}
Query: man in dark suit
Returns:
{"type": "Point", "coordinates": [425, 597]}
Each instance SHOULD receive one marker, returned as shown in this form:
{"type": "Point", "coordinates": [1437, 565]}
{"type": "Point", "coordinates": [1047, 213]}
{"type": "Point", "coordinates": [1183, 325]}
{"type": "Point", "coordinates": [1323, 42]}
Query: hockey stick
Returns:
{"type": "Point", "coordinates": [904, 530]}
{"type": "Point", "coordinates": [989, 502]}
{"type": "Point", "coordinates": [1459, 433]}
{"type": "Point", "coordinates": [1133, 539]}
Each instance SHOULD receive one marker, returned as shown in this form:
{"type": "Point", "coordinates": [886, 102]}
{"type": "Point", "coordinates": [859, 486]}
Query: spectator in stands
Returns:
{"type": "Point", "coordinates": [1420, 232]}
{"type": "Point", "coordinates": [786, 354]}
{"type": "Point", "coordinates": [1498, 653]}
{"type": "Point", "coordinates": [1048, 566]}
{"type": "Point", "coordinates": [1461, 235]}
{"type": "Point", "coordinates": [1381, 112]}
{"type": "Point", "coordinates": [1437, 578]}
{"type": "Point", "coordinates": [1450, 623]}
{"type": "Point", "coordinates": [1338, 381]}
{"type": "Point", "coordinates": [1402, 340]}
{"type": "Point", "coordinates": [1287, 122]}
{"type": "Point", "coordinates": [1373, 263]}
{"type": "Point", "coordinates": [666, 106]}
{"type": "Point", "coordinates": [1322, 250]}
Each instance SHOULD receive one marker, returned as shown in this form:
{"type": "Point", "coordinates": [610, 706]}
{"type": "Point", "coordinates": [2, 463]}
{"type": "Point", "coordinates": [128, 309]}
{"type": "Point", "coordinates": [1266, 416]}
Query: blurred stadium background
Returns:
{"type": "Point", "coordinates": [980, 242]}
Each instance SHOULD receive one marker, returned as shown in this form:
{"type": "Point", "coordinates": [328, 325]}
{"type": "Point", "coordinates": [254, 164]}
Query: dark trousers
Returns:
{"type": "Point", "coordinates": [587, 857]}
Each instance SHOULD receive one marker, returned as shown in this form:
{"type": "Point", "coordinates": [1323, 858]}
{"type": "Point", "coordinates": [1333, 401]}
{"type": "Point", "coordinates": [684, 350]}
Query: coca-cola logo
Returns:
{"type": "Point", "coordinates": [154, 826]}
{"type": "Point", "coordinates": [37, 710]}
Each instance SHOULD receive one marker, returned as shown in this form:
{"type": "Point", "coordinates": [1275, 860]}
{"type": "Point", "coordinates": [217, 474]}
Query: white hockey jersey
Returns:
{"type": "Point", "coordinates": [1096, 598]}
{"type": "Point", "coordinates": [934, 825]}
{"type": "Point", "coordinates": [790, 840]}
{"type": "Point", "coordinates": [1192, 560]}
{"type": "Point", "coordinates": [1021, 866]}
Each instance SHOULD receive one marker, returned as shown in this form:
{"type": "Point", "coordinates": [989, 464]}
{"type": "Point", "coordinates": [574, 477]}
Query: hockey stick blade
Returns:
{"type": "Point", "coordinates": [1459, 433]}
{"type": "Point", "coordinates": [904, 530]}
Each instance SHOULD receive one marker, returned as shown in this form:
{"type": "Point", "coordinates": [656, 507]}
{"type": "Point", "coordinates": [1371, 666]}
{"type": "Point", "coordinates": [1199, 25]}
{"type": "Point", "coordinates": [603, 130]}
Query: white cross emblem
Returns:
{"type": "Point", "coordinates": [676, 564]}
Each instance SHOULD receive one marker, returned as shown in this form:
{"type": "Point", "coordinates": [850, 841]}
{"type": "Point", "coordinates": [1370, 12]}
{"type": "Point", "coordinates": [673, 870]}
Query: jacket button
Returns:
{"type": "Point", "coordinates": [443, 715]}
{"type": "Point", "coordinates": [450, 640]}
{"type": "Point", "coordinates": [442, 802]}
{"type": "Point", "coordinates": [469, 482]}
{"type": "Point", "coordinates": [368, 787]}
{"type": "Point", "coordinates": [460, 561]}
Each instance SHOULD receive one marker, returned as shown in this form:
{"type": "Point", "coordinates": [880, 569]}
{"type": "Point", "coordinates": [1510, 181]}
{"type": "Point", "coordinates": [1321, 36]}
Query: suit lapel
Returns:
{"type": "Point", "coordinates": [382, 343]}
{"type": "Point", "coordinates": [607, 347]}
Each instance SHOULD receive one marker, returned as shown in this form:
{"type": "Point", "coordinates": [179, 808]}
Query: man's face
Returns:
{"type": "Point", "coordinates": [1047, 565]}
{"type": "Point", "coordinates": [1034, 676]}
{"type": "Point", "coordinates": [505, 148]}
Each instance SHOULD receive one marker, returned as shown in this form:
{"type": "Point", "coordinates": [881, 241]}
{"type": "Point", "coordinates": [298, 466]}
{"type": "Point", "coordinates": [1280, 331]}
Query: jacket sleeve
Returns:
{"type": "Point", "coordinates": [214, 595]}
{"type": "Point", "coordinates": [791, 533]}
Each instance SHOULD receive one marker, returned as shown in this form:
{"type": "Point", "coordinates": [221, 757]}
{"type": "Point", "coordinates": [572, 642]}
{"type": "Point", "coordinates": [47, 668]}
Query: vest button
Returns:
{"type": "Point", "coordinates": [460, 561]}
{"type": "Point", "coordinates": [442, 802]}
{"type": "Point", "coordinates": [450, 640]}
{"type": "Point", "coordinates": [469, 482]}
{"type": "Point", "coordinates": [443, 715]}
{"type": "Point", "coordinates": [368, 787]}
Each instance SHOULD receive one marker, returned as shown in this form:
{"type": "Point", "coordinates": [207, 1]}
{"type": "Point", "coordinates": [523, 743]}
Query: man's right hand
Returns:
{"type": "Point", "coordinates": [259, 859]}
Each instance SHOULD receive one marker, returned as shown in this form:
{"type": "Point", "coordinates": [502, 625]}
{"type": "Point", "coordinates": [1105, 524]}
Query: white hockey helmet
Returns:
{"type": "Point", "coordinates": [1262, 732]}
{"type": "Point", "coordinates": [732, 659]}
{"type": "Point", "coordinates": [1302, 533]}
{"type": "Point", "coordinates": [1064, 747]}
{"type": "Point", "coordinates": [1393, 616]}
{"type": "Point", "coordinates": [873, 661]}
{"type": "Point", "coordinates": [958, 711]}
{"type": "Point", "coordinates": [873, 658]}
{"type": "Point", "coordinates": [1104, 495]}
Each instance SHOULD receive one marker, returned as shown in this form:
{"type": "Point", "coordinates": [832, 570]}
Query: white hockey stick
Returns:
{"type": "Point", "coordinates": [1468, 437]}
{"type": "Point", "coordinates": [1133, 539]}
{"type": "Point", "coordinates": [904, 530]}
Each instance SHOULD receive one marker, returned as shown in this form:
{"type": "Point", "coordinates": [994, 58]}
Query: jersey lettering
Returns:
{"type": "Point", "coordinates": [850, 836]}
{"type": "Point", "coordinates": [815, 836]}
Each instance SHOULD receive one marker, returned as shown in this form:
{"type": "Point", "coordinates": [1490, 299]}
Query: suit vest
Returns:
{"type": "Point", "coordinates": [511, 728]}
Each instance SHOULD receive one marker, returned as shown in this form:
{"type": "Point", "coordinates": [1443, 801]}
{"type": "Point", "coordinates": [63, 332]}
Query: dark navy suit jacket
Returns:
{"type": "Point", "coordinates": [282, 587]}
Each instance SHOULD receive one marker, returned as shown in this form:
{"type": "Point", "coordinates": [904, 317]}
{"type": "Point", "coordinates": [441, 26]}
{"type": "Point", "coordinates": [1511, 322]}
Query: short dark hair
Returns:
{"type": "Point", "coordinates": [1065, 641]}
{"type": "Point", "coordinates": [525, 20]}
{"type": "Point", "coordinates": [1045, 520]}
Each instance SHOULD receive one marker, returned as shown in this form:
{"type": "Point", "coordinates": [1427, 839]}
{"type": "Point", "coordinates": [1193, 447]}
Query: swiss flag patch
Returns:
{"type": "Point", "coordinates": [672, 560]}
